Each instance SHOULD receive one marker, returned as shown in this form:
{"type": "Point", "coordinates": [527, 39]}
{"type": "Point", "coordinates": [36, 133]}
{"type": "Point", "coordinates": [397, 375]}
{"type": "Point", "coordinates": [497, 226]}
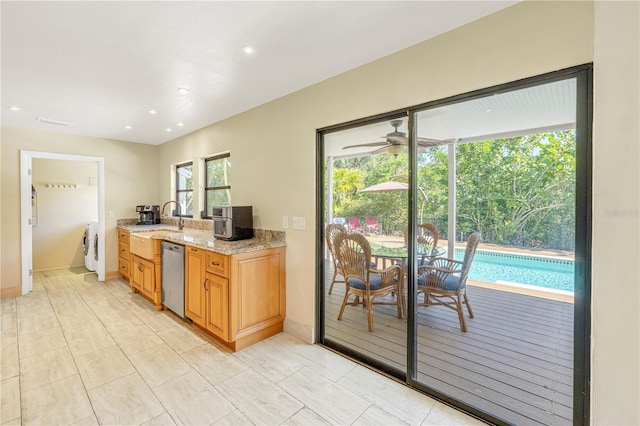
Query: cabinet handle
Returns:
{"type": "Point", "coordinates": [205, 285]}
{"type": "Point", "coordinates": [193, 249]}
{"type": "Point", "coordinates": [140, 267]}
{"type": "Point", "coordinates": [215, 263]}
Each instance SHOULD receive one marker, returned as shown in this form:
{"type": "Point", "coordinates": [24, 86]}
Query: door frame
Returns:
{"type": "Point", "coordinates": [26, 233]}
{"type": "Point", "coordinates": [583, 239]}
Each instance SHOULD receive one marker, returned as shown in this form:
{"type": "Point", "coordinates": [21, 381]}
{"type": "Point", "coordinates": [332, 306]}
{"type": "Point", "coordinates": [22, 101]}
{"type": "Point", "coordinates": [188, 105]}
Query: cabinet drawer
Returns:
{"type": "Point", "coordinates": [123, 236]}
{"type": "Point", "coordinates": [123, 250]}
{"type": "Point", "coordinates": [218, 264]}
{"type": "Point", "coordinates": [123, 266]}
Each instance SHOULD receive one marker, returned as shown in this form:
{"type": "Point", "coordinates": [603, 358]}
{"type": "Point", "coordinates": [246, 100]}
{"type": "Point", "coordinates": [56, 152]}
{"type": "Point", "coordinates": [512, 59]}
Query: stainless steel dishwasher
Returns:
{"type": "Point", "coordinates": [173, 277]}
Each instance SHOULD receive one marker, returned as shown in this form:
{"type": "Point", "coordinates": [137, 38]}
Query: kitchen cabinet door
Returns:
{"type": "Point", "coordinates": [195, 297]}
{"type": "Point", "coordinates": [217, 289]}
{"type": "Point", "coordinates": [257, 291]}
{"type": "Point", "coordinates": [143, 276]}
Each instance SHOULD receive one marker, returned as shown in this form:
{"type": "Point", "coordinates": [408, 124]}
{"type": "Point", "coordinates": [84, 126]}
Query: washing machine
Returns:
{"type": "Point", "coordinates": [90, 245]}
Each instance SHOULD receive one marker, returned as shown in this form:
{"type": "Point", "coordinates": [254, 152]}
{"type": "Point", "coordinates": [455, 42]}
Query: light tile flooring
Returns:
{"type": "Point", "coordinates": [77, 351]}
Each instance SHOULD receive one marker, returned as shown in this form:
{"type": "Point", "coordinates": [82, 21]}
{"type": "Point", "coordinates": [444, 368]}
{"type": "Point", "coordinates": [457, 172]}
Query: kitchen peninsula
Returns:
{"type": "Point", "coordinates": [234, 290]}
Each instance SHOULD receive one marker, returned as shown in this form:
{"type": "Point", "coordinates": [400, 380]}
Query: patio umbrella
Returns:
{"type": "Point", "coordinates": [389, 186]}
{"type": "Point", "coordinates": [392, 186]}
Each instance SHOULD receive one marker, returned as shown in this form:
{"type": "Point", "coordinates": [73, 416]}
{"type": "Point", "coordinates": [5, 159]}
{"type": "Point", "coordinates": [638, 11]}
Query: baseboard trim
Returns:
{"type": "Point", "coordinates": [302, 332]}
{"type": "Point", "coordinates": [8, 292]}
{"type": "Point", "coordinates": [112, 275]}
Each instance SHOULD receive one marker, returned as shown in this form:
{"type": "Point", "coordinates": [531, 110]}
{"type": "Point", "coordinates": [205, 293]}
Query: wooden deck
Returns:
{"type": "Point", "coordinates": [515, 362]}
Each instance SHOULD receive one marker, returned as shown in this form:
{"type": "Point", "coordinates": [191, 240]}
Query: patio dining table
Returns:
{"type": "Point", "coordinates": [400, 255]}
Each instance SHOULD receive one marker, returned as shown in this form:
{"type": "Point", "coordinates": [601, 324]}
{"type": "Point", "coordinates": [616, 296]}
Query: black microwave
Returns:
{"type": "Point", "coordinates": [232, 223]}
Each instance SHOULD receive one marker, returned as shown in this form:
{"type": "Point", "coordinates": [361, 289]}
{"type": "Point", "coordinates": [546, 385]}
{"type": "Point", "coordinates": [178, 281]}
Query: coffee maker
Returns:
{"type": "Point", "coordinates": [148, 215]}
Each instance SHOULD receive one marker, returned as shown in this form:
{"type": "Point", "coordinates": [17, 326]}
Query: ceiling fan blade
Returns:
{"type": "Point", "coordinates": [427, 142]}
{"type": "Point", "coordinates": [423, 142]}
{"type": "Point", "coordinates": [382, 150]}
{"type": "Point", "coordinates": [398, 140]}
{"type": "Point", "coordinates": [384, 143]}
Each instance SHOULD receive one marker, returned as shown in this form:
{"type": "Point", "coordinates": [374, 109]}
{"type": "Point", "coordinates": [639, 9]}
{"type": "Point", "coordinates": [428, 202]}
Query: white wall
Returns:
{"type": "Point", "coordinates": [62, 212]}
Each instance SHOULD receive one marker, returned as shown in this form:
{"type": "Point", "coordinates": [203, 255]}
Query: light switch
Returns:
{"type": "Point", "coordinates": [112, 214]}
{"type": "Point", "coordinates": [298, 222]}
{"type": "Point", "coordinates": [285, 221]}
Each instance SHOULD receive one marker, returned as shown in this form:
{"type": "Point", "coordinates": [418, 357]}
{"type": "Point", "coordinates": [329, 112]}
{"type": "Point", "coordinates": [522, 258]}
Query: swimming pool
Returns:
{"type": "Point", "coordinates": [502, 267]}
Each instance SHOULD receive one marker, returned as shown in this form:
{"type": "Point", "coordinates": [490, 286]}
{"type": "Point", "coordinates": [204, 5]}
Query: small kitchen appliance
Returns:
{"type": "Point", "coordinates": [149, 215]}
{"type": "Point", "coordinates": [232, 223]}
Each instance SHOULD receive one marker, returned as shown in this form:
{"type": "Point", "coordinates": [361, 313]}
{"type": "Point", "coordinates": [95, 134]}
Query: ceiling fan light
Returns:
{"type": "Point", "coordinates": [395, 149]}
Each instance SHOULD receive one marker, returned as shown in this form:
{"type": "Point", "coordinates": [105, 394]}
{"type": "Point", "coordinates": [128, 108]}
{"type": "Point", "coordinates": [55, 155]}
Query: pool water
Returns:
{"type": "Point", "coordinates": [540, 271]}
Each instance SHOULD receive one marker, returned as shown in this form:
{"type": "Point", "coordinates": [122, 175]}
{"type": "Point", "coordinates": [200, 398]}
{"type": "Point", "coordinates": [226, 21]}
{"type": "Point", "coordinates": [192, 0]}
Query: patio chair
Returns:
{"type": "Point", "coordinates": [354, 224]}
{"type": "Point", "coordinates": [339, 220]}
{"type": "Point", "coordinates": [372, 224]}
{"type": "Point", "coordinates": [427, 238]}
{"type": "Point", "coordinates": [443, 281]}
{"type": "Point", "coordinates": [366, 284]}
{"type": "Point", "coordinates": [330, 233]}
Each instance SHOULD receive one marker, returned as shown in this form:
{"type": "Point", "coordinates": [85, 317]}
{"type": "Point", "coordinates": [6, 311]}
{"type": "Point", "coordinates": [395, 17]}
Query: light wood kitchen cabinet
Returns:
{"type": "Point", "coordinates": [217, 312]}
{"type": "Point", "coordinates": [238, 298]}
{"type": "Point", "coordinates": [143, 276]}
{"type": "Point", "coordinates": [124, 258]}
{"type": "Point", "coordinates": [145, 267]}
{"type": "Point", "coordinates": [195, 293]}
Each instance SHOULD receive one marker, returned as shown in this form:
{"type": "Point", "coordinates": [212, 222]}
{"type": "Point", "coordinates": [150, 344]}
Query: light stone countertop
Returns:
{"type": "Point", "coordinates": [205, 240]}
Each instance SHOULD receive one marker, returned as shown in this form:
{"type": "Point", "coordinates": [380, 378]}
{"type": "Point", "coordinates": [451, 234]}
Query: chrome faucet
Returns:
{"type": "Point", "coordinates": [180, 219]}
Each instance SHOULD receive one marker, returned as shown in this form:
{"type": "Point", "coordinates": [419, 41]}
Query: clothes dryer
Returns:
{"type": "Point", "coordinates": [87, 246]}
{"type": "Point", "coordinates": [90, 245]}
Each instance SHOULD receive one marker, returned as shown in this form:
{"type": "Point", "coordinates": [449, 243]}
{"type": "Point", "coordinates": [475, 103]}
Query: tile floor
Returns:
{"type": "Point", "coordinates": [77, 351]}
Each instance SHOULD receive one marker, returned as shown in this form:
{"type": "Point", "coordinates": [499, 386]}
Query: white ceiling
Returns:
{"type": "Point", "coordinates": [542, 108]}
{"type": "Point", "coordinates": [103, 65]}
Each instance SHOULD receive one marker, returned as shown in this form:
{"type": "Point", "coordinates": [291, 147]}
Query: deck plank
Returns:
{"type": "Point", "coordinates": [516, 360]}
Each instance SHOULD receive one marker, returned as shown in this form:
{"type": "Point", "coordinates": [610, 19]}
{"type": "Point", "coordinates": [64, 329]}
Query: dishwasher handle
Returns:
{"type": "Point", "coordinates": [176, 248]}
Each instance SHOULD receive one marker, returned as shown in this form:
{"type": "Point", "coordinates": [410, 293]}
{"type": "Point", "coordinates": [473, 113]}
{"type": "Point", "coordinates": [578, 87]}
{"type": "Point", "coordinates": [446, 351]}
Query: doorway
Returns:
{"type": "Point", "coordinates": [511, 359]}
{"type": "Point", "coordinates": [27, 211]}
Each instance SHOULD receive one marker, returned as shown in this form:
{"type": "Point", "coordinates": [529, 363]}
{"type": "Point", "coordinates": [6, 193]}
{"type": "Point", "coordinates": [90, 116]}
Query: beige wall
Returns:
{"type": "Point", "coordinates": [615, 354]}
{"type": "Point", "coordinates": [273, 146]}
{"type": "Point", "coordinates": [62, 212]}
{"type": "Point", "coordinates": [273, 155]}
{"type": "Point", "coordinates": [273, 151]}
{"type": "Point", "coordinates": [130, 179]}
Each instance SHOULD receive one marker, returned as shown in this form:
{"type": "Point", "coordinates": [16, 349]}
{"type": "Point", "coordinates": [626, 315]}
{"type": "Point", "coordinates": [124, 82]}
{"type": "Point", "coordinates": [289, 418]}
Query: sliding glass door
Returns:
{"type": "Point", "coordinates": [365, 192]}
{"type": "Point", "coordinates": [502, 339]}
{"type": "Point", "coordinates": [481, 202]}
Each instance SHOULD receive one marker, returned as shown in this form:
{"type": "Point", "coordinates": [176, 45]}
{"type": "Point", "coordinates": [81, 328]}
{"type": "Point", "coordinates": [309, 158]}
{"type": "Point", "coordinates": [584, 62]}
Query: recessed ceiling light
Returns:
{"type": "Point", "coordinates": [127, 127]}
{"type": "Point", "coordinates": [180, 124]}
{"type": "Point", "coordinates": [153, 111]}
{"type": "Point", "coordinates": [248, 50]}
{"type": "Point", "coordinates": [183, 91]}
{"type": "Point", "coordinates": [169, 129]}
{"type": "Point", "coordinates": [14, 108]}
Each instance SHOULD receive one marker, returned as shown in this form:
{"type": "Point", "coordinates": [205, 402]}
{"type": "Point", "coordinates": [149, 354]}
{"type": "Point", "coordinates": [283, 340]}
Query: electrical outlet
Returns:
{"type": "Point", "coordinates": [111, 214]}
{"type": "Point", "coordinates": [285, 222]}
{"type": "Point", "coordinates": [298, 223]}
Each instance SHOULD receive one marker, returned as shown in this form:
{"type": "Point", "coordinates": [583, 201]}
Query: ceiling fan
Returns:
{"type": "Point", "coordinates": [396, 141]}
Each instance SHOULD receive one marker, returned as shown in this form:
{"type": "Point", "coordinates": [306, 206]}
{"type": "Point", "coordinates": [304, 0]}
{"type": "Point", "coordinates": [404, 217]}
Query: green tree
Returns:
{"type": "Point", "coordinates": [517, 191]}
